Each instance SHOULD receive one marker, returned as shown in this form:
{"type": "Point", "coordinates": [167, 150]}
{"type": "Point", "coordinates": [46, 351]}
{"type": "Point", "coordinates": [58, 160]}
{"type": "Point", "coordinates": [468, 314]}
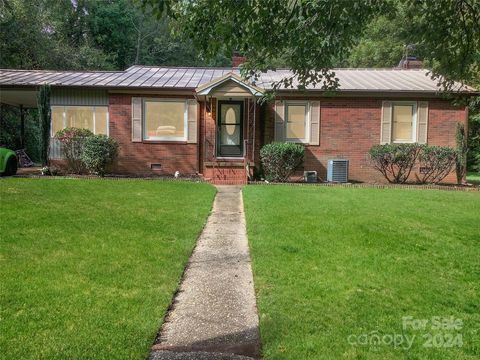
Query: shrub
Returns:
{"type": "Point", "coordinates": [476, 165]}
{"type": "Point", "coordinates": [279, 160]}
{"type": "Point", "coordinates": [99, 152]}
{"type": "Point", "coordinates": [72, 140]}
{"type": "Point", "coordinates": [395, 161]}
{"type": "Point", "coordinates": [436, 162]}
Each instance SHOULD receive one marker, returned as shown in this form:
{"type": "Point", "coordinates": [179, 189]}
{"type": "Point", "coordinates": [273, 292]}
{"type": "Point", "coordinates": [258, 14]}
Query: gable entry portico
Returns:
{"type": "Point", "coordinates": [228, 128]}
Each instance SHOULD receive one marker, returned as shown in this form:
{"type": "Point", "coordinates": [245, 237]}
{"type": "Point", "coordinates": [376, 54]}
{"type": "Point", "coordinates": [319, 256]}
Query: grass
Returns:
{"type": "Point", "coordinates": [88, 267]}
{"type": "Point", "coordinates": [331, 264]}
{"type": "Point", "coordinates": [473, 178]}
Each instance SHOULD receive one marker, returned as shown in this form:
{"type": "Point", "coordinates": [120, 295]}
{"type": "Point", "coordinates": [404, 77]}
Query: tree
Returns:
{"type": "Point", "coordinates": [381, 45]}
{"type": "Point", "coordinates": [47, 34]}
{"type": "Point", "coordinates": [313, 35]}
{"type": "Point", "coordinates": [44, 113]}
{"type": "Point", "coordinates": [309, 36]}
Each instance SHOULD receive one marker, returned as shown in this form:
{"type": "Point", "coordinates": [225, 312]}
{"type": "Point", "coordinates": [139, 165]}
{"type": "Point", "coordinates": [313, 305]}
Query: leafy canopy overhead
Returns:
{"type": "Point", "coordinates": [312, 36]}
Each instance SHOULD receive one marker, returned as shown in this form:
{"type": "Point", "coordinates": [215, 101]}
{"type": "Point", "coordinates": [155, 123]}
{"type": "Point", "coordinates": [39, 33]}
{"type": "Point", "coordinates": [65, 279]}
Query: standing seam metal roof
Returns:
{"type": "Point", "coordinates": [149, 77]}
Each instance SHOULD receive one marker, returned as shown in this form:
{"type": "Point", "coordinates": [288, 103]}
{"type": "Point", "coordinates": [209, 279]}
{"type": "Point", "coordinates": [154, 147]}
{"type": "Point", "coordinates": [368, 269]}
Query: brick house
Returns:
{"type": "Point", "coordinates": [208, 122]}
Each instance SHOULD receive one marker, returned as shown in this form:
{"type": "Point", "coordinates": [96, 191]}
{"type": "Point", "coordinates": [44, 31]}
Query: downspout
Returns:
{"type": "Point", "coordinates": [22, 127]}
{"type": "Point", "coordinates": [254, 121]}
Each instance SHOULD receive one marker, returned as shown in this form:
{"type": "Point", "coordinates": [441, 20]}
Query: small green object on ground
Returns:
{"type": "Point", "coordinates": [8, 162]}
{"type": "Point", "coordinates": [335, 266]}
{"type": "Point", "coordinates": [89, 267]}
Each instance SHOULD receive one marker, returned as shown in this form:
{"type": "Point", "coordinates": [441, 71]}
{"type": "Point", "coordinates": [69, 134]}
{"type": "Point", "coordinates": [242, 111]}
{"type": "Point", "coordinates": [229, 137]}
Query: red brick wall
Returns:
{"type": "Point", "coordinates": [136, 158]}
{"type": "Point", "coordinates": [349, 127]}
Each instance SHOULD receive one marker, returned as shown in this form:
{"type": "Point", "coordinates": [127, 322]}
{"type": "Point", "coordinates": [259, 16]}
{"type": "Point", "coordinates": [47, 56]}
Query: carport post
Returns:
{"type": "Point", "coordinates": [22, 127]}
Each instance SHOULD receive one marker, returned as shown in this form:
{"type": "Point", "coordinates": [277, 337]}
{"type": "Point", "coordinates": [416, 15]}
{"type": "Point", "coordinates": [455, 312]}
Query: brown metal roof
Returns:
{"type": "Point", "coordinates": [147, 77]}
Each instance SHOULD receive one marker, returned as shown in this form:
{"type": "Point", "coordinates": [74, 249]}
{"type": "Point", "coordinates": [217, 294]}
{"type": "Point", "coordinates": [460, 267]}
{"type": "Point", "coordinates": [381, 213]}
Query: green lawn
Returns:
{"type": "Point", "coordinates": [333, 264]}
{"type": "Point", "coordinates": [88, 267]}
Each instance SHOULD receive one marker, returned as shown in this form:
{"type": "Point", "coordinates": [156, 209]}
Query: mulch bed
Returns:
{"type": "Point", "coordinates": [447, 187]}
{"type": "Point", "coordinates": [35, 173]}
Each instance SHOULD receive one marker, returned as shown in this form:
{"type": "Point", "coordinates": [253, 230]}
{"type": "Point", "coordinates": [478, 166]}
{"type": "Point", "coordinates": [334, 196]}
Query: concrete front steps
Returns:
{"type": "Point", "coordinates": [226, 172]}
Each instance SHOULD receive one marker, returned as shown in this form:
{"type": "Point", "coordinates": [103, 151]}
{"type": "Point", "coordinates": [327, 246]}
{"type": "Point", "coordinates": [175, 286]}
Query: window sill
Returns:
{"type": "Point", "coordinates": [231, 158]}
{"type": "Point", "coordinates": [164, 142]}
{"type": "Point", "coordinates": [304, 142]}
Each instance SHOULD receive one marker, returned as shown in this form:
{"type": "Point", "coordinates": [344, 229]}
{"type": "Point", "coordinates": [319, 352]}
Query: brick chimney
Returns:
{"type": "Point", "coordinates": [238, 59]}
{"type": "Point", "coordinates": [411, 62]}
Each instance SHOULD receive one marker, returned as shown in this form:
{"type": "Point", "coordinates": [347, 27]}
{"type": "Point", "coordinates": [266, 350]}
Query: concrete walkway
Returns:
{"type": "Point", "coordinates": [214, 314]}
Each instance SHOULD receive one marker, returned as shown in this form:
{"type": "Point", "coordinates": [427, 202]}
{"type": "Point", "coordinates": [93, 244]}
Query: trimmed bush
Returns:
{"type": "Point", "coordinates": [99, 152]}
{"type": "Point", "coordinates": [72, 140]}
{"type": "Point", "coordinates": [436, 162]}
{"type": "Point", "coordinates": [395, 161]}
{"type": "Point", "coordinates": [279, 160]}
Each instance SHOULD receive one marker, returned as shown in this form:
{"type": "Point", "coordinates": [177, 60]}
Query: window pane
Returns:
{"type": "Point", "coordinates": [164, 119]}
{"type": "Point", "coordinates": [79, 117]}
{"type": "Point", "coordinates": [296, 121]}
{"type": "Point", "coordinates": [402, 122]}
{"type": "Point", "coordinates": [230, 134]}
{"type": "Point", "coordinates": [57, 119]}
{"type": "Point", "coordinates": [101, 120]}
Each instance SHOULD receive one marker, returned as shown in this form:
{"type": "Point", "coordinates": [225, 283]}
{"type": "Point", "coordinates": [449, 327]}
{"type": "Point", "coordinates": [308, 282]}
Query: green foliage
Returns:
{"type": "Point", "coordinates": [311, 37]}
{"type": "Point", "coordinates": [447, 33]}
{"type": "Point", "coordinates": [381, 45]}
{"type": "Point", "coordinates": [47, 34]}
{"type": "Point", "coordinates": [473, 156]}
{"type": "Point", "coordinates": [72, 141]}
{"type": "Point", "coordinates": [462, 151]}
{"type": "Point", "coordinates": [90, 34]}
{"type": "Point", "coordinates": [10, 135]}
{"type": "Point", "coordinates": [329, 262]}
{"type": "Point", "coordinates": [92, 264]}
{"type": "Point", "coordinates": [99, 152]}
{"type": "Point", "coordinates": [9, 127]}
{"type": "Point", "coordinates": [395, 161]}
{"type": "Point", "coordinates": [436, 162]}
{"type": "Point", "coordinates": [44, 114]}
{"type": "Point", "coordinates": [279, 160]}
{"type": "Point", "coordinates": [476, 160]}
{"type": "Point", "coordinates": [267, 30]}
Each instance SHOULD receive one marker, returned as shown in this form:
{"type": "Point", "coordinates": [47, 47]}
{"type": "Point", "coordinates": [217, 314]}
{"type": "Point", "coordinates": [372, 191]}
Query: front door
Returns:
{"type": "Point", "coordinates": [230, 129]}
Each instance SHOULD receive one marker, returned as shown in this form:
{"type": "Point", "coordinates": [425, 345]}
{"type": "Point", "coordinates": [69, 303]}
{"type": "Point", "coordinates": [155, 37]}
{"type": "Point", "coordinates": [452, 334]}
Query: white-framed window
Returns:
{"type": "Point", "coordinates": [93, 118]}
{"type": "Point", "coordinates": [296, 121]}
{"type": "Point", "coordinates": [404, 121]}
{"type": "Point", "coordinates": [165, 119]}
